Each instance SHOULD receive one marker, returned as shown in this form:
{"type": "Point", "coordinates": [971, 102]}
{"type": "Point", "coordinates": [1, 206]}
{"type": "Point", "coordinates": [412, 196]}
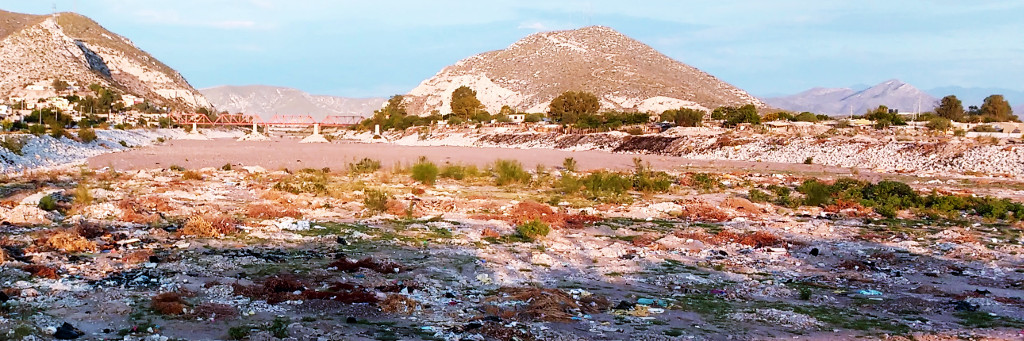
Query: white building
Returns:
{"type": "Point", "coordinates": [4, 110]}
{"type": "Point", "coordinates": [517, 118]}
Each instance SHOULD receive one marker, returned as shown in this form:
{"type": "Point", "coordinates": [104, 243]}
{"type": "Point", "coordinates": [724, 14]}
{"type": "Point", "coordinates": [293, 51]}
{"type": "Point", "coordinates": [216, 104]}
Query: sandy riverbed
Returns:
{"type": "Point", "coordinates": [287, 153]}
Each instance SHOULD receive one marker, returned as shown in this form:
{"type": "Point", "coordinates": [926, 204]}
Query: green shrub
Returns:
{"type": "Point", "coordinates": [815, 193]}
{"type": "Point", "coordinates": [37, 129]}
{"type": "Point", "coordinates": [809, 160]}
{"type": "Point", "coordinates": [364, 166]}
{"type": "Point", "coordinates": [226, 167]}
{"type": "Point", "coordinates": [759, 196]}
{"type": "Point", "coordinates": [569, 164]}
{"type": "Point", "coordinates": [86, 135]}
{"type": "Point", "coordinates": [533, 230]}
{"type": "Point", "coordinates": [509, 172]}
{"type": "Point", "coordinates": [458, 172]}
{"type": "Point", "coordinates": [177, 168]}
{"type": "Point", "coordinates": [123, 144]}
{"type": "Point", "coordinates": [705, 182]}
{"type": "Point", "coordinates": [239, 332]}
{"type": "Point", "coordinates": [604, 183]}
{"type": "Point", "coordinates": [48, 203]}
{"type": "Point", "coordinates": [82, 195]}
{"type": "Point", "coordinates": [13, 143]}
{"type": "Point", "coordinates": [425, 171]}
{"type": "Point", "coordinates": [376, 201]}
{"type": "Point", "coordinates": [647, 180]}
{"type": "Point", "coordinates": [568, 184]}
{"type": "Point", "coordinates": [304, 181]}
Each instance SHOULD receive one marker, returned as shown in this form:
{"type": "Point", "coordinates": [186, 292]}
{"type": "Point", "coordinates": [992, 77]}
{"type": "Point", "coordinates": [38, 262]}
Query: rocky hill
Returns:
{"type": "Point", "coordinates": [267, 101]}
{"type": "Point", "coordinates": [73, 48]}
{"type": "Point", "coordinates": [844, 101]}
{"type": "Point", "coordinates": [622, 72]}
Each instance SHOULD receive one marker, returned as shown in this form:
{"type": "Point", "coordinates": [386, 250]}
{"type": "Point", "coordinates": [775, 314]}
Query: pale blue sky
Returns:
{"type": "Point", "coordinates": [379, 48]}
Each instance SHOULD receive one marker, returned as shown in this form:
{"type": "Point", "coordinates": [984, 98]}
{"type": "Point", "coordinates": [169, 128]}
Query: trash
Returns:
{"type": "Point", "coordinates": [67, 332]}
{"type": "Point", "coordinates": [342, 241]}
{"type": "Point", "coordinates": [814, 252]}
{"type": "Point", "coordinates": [4, 297]}
{"type": "Point", "coordinates": [483, 278]}
{"type": "Point", "coordinates": [870, 292]}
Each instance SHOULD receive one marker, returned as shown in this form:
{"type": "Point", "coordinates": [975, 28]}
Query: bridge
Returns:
{"type": "Point", "coordinates": [197, 119]}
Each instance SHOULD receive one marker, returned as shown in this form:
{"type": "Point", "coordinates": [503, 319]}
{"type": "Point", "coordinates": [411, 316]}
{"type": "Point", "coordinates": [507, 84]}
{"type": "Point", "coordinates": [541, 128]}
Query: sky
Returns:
{"type": "Point", "coordinates": [381, 48]}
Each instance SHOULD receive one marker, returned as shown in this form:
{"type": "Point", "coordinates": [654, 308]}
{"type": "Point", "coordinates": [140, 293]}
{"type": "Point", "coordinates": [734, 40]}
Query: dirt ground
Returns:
{"type": "Point", "coordinates": [289, 153]}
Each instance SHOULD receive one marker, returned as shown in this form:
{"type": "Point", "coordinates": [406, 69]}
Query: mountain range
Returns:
{"type": "Point", "coordinates": [625, 74]}
{"type": "Point", "coordinates": [268, 101]}
{"type": "Point", "coordinates": [38, 49]}
{"type": "Point", "coordinates": [894, 94]}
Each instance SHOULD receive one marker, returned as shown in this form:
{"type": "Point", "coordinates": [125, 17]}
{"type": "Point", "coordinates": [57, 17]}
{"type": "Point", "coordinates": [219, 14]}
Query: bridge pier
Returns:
{"type": "Point", "coordinates": [316, 137]}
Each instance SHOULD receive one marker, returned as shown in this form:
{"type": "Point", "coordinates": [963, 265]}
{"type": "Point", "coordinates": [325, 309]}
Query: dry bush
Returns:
{"type": "Point", "coordinates": [40, 271]}
{"type": "Point", "coordinates": [854, 265]}
{"type": "Point", "coordinates": [398, 304]}
{"type": "Point", "coordinates": [552, 305]}
{"type": "Point", "coordinates": [70, 241]}
{"type": "Point", "coordinates": [349, 265]}
{"type": "Point", "coordinates": [645, 239]}
{"type": "Point", "coordinates": [155, 203]}
{"type": "Point", "coordinates": [3, 256]}
{"type": "Point", "coordinates": [209, 226]}
{"type": "Point", "coordinates": [91, 230]}
{"type": "Point", "coordinates": [498, 331]}
{"type": "Point", "coordinates": [137, 256]}
{"type": "Point", "coordinates": [191, 175]}
{"type": "Point", "coordinates": [701, 211]}
{"type": "Point", "coordinates": [132, 212]}
{"type": "Point", "coordinates": [851, 209]}
{"type": "Point", "coordinates": [266, 211]}
{"type": "Point", "coordinates": [280, 288]}
{"type": "Point", "coordinates": [396, 207]}
{"type": "Point", "coordinates": [528, 211]}
{"type": "Point", "coordinates": [489, 233]}
{"type": "Point", "coordinates": [217, 311]}
{"type": "Point", "coordinates": [168, 303]}
{"type": "Point", "coordinates": [756, 239]}
{"type": "Point", "coordinates": [741, 205]}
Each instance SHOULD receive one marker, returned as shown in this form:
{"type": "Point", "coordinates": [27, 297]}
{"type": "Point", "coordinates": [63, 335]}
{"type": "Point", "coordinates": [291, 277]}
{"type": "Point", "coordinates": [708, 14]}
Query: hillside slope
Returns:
{"type": "Point", "coordinates": [267, 101]}
{"type": "Point", "coordinates": [73, 48]}
{"type": "Point", "coordinates": [894, 94]}
{"type": "Point", "coordinates": [622, 72]}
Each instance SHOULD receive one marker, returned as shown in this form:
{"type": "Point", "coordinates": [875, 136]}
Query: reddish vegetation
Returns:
{"type": "Point", "coordinates": [398, 304]}
{"type": "Point", "coordinates": [215, 311]}
{"type": "Point", "coordinates": [528, 211]}
{"type": "Point", "coordinates": [168, 303]}
{"type": "Point", "coordinates": [209, 226]}
{"type": "Point", "coordinates": [753, 239]}
{"type": "Point", "coordinates": [40, 271]}
{"type": "Point", "coordinates": [552, 305]}
{"type": "Point", "coordinates": [849, 208]}
{"type": "Point", "coordinates": [136, 213]}
{"type": "Point", "coordinates": [489, 233]}
{"type": "Point", "coordinates": [286, 287]}
{"type": "Point", "coordinates": [645, 239]}
{"type": "Point", "coordinates": [136, 257]}
{"type": "Point", "coordinates": [702, 211]}
{"type": "Point", "coordinates": [68, 241]}
{"type": "Point", "coordinates": [265, 211]}
{"type": "Point", "coordinates": [349, 265]}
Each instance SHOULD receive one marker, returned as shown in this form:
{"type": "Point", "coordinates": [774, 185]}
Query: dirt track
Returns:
{"type": "Point", "coordinates": [290, 154]}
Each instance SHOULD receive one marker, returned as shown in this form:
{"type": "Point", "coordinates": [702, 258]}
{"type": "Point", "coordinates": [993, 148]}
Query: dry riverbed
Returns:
{"type": "Point", "coordinates": [363, 251]}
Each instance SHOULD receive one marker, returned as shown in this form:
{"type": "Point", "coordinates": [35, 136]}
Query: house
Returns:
{"type": "Point", "coordinates": [5, 110]}
{"type": "Point", "coordinates": [59, 103]}
{"type": "Point", "coordinates": [130, 100]}
{"type": "Point", "coordinates": [35, 87]}
{"type": "Point", "coordinates": [517, 118]}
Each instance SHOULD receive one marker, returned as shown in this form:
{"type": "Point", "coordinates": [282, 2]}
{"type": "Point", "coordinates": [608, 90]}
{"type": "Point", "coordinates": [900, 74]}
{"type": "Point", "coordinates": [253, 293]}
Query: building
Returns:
{"type": "Point", "coordinates": [59, 103]}
{"type": "Point", "coordinates": [4, 110]}
{"type": "Point", "coordinates": [517, 118]}
{"type": "Point", "coordinates": [130, 100]}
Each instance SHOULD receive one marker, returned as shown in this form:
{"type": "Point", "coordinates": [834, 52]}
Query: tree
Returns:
{"type": "Point", "coordinates": [939, 124]}
{"type": "Point", "coordinates": [806, 117]}
{"type": "Point", "coordinates": [995, 108]}
{"type": "Point", "coordinates": [464, 102]}
{"type": "Point", "coordinates": [950, 108]}
{"type": "Point", "coordinates": [684, 117]}
{"type": "Point", "coordinates": [60, 85]}
{"type": "Point", "coordinates": [734, 116]}
{"type": "Point", "coordinates": [570, 105]}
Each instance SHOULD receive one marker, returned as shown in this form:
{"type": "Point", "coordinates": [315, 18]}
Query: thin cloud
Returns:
{"type": "Point", "coordinates": [535, 26]}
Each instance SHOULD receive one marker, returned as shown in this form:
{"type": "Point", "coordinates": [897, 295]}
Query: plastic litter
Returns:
{"type": "Point", "coordinates": [870, 292]}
